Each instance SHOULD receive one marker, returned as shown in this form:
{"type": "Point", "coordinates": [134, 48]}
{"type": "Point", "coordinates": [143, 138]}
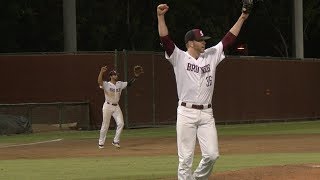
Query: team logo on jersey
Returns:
{"type": "Point", "coordinates": [115, 90]}
{"type": "Point", "coordinates": [197, 69]}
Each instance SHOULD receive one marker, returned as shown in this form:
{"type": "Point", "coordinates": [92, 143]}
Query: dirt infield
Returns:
{"type": "Point", "coordinates": [167, 146]}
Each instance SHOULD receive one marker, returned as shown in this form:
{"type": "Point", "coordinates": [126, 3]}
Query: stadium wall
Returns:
{"type": "Point", "coordinates": [247, 89]}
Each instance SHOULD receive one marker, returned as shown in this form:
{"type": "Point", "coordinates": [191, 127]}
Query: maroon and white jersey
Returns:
{"type": "Point", "coordinates": [195, 77]}
{"type": "Point", "coordinates": [112, 92]}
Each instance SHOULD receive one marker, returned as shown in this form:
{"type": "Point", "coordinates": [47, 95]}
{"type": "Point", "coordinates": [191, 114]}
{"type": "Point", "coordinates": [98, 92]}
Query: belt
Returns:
{"type": "Point", "coordinates": [112, 104]}
{"type": "Point", "coordinates": [195, 106]}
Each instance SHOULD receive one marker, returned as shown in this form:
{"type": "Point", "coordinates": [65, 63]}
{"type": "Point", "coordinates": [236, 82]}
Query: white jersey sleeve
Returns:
{"type": "Point", "coordinates": [123, 85]}
{"type": "Point", "coordinates": [217, 51]}
{"type": "Point", "coordinates": [105, 85]}
{"type": "Point", "coordinates": [176, 54]}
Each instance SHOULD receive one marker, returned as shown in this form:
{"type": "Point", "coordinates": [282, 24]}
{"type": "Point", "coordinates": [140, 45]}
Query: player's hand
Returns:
{"type": "Point", "coordinates": [104, 69]}
{"type": "Point", "coordinates": [162, 9]}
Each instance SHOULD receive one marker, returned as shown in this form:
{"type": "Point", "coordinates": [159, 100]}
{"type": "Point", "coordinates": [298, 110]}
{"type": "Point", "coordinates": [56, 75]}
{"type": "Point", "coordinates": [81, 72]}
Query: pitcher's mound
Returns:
{"type": "Point", "coordinates": [286, 172]}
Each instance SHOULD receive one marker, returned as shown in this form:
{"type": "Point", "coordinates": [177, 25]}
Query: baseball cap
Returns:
{"type": "Point", "coordinates": [113, 72]}
{"type": "Point", "coordinates": [195, 35]}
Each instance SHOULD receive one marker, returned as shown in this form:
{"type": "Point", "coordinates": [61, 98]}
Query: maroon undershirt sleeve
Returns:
{"type": "Point", "coordinates": [228, 40]}
{"type": "Point", "coordinates": [167, 44]}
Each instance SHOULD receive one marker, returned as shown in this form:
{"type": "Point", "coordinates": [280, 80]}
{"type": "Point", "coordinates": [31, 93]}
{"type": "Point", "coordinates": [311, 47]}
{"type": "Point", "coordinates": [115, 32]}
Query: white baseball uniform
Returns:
{"type": "Point", "coordinates": [195, 84]}
{"type": "Point", "coordinates": [110, 108]}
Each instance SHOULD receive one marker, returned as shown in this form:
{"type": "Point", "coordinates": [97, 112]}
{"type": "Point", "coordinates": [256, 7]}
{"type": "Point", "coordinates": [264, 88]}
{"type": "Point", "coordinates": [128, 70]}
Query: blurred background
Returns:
{"type": "Point", "coordinates": [106, 25]}
{"type": "Point", "coordinates": [51, 53]}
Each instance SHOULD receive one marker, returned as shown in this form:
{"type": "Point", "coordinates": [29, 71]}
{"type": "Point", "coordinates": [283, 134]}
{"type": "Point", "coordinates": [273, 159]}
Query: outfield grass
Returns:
{"type": "Point", "coordinates": [135, 167]}
{"type": "Point", "coordinates": [145, 167]}
{"type": "Point", "coordinates": [306, 127]}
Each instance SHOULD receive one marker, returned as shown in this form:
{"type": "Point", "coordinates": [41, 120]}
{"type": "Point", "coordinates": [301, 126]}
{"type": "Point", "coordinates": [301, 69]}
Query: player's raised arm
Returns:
{"type": "Point", "coordinates": [237, 26]}
{"type": "Point", "coordinates": [230, 38]}
{"type": "Point", "coordinates": [137, 70]}
{"type": "Point", "coordinates": [166, 41]}
{"type": "Point", "coordinates": [162, 27]}
{"type": "Point", "coordinates": [100, 76]}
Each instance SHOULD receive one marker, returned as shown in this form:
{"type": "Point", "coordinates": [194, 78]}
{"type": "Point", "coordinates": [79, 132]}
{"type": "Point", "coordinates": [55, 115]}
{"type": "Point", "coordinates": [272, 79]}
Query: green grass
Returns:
{"type": "Point", "coordinates": [135, 167]}
{"type": "Point", "coordinates": [148, 167]}
{"type": "Point", "coordinates": [243, 161]}
{"type": "Point", "coordinates": [306, 127]}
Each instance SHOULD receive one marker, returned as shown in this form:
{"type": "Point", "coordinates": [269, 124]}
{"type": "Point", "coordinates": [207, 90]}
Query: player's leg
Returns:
{"type": "Point", "coordinates": [208, 140]}
{"type": "Point", "coordinates": [118, 117]}
{"type": "Point", "coordinates": [106, 115]}
{"type": "Point", "coordinates": [186, 140]}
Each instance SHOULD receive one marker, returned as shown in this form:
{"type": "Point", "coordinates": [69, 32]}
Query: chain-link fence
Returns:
{"type": "Point", "coordinates": [49, 116]}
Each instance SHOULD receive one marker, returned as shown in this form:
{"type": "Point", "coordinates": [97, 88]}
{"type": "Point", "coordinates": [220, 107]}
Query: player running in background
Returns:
{"type": "Point", "coordinates": [112, 92]}
{"type": "Point", "coordinates": [195, 75]}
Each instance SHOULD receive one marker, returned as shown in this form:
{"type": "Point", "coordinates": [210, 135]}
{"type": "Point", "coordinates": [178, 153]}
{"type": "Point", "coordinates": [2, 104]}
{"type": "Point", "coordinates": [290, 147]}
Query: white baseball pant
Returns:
{"type": "Point", "coordinates": [109, 110]}
{"type": "Point", "coordinates": [193, 124]}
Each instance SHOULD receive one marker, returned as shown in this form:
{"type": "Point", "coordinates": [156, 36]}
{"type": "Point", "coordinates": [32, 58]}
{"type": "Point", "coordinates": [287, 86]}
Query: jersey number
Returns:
{"type": "Point", "coordinates": [209, 81]}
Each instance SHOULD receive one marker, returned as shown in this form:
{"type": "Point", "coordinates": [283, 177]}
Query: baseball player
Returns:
{"type": "Point", "coordinates": [112, 92]}
{"type": "Point", "coordinates": [195, 75]}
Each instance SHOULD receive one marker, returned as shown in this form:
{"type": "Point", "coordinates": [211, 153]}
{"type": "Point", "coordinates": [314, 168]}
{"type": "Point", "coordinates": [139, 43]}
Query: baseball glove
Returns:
{"type": "Point", "coordinates": [247, 6]}
{"type": "Point", "coordinates": [138, 70]}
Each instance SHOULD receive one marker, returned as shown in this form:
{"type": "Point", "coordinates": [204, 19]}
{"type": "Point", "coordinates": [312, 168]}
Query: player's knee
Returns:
{"type": "Point", "coordinates": [120, 125]}
{"type": "Point", "coordinates": [184, 166]}
{"type": "Point", "coordinates": [213, 157]}
{"type": "Point", "coordinates": [185, 163]}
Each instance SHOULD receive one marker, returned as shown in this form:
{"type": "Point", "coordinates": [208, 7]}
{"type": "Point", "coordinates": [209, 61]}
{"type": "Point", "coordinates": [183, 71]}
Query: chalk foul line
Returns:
{"type": "Point", "coordinates": [29, 144]}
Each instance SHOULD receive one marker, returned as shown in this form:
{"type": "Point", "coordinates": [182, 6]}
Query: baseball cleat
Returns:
{"type": "Point", "coordinates": [116, 144]}
{"type": "Point", "coordinates": [101, 146]}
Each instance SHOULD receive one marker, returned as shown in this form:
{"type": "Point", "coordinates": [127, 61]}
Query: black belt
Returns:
{"type": "Point", "coordinates": [195, 106]}
{"type": "Point", "coordinates": [112, 104]}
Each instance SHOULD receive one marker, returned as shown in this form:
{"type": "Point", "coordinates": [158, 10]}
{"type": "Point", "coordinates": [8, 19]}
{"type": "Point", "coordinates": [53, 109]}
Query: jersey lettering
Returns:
{"type": "Point", "coordinates": [193, 67]}
{"type": "Point", "coordinates": [205, 68]}
{"type": "Point", "coordinates": [115, 90]}
{"type": "Point", "coordinates": [196, 69]}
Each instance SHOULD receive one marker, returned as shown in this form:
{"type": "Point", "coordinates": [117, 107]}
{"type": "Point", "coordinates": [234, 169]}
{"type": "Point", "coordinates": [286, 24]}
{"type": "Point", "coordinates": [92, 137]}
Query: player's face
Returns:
{"type": "Point", "coordinates": [114, 76]}
{"type": "Point", "coordinates": [199, 46]}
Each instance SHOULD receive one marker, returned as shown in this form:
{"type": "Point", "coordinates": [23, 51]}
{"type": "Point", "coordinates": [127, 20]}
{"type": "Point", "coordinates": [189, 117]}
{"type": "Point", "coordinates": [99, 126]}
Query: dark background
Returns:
{"type": "Point", "coordinates": [106, 25]}
{"type": "Point", "coordinates": [247, 88]}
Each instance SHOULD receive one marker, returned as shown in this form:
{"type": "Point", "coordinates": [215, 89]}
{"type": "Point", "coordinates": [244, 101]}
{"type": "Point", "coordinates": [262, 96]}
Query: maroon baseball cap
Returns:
{"type": "Point", "coordinates": [195, 35]}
